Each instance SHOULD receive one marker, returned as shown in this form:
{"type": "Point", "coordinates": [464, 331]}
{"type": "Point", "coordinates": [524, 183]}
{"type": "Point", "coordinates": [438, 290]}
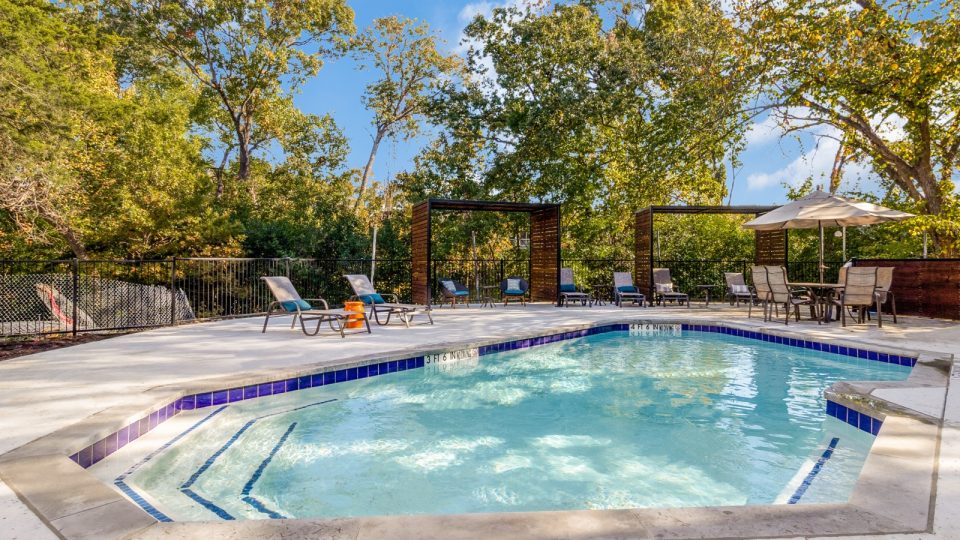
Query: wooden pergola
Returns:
{"type": "Point", "coordinates": [544, 243]}
{"type": "Point", "coordinates": [770, 246]}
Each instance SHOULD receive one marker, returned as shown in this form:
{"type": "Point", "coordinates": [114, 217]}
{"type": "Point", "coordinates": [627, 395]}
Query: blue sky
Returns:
{"type": "Point", "coordinates": [768, 162]}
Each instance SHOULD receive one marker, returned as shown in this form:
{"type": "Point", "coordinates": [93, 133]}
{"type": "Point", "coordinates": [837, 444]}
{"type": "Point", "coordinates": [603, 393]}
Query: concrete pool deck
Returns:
{"type": "Point", "coordinates": [49, 392]}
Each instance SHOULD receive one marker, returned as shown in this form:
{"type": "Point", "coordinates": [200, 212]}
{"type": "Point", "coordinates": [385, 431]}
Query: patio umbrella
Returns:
{"type": "Point", "coordinates": [818, 210]}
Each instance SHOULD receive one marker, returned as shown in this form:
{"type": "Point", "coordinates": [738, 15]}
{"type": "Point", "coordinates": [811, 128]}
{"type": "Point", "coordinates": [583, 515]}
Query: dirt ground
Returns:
{"type": "Point", "coordinates": [20, 347]}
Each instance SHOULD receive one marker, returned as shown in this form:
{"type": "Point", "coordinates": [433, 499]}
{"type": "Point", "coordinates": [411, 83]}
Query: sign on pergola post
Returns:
{"type": "Point", "coordinates": [544, 244]}
{"type": "Point", "coordinates": [770, 247]}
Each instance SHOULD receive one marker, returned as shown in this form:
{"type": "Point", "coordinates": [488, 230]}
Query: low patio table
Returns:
{"type": "Point", "coordinates": [706, 287]}
{"type": "Point", "coordinates": [486, 295]}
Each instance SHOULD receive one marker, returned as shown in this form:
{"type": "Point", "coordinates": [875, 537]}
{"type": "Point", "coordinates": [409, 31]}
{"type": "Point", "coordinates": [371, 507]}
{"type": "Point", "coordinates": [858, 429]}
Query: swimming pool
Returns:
{"type": "Point", "coordinates": [613, 420]}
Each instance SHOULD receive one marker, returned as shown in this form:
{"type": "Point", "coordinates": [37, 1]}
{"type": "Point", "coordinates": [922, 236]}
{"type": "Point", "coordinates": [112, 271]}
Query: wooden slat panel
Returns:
{"type": "Point", "coordinates": [420, 253]}
{"type": "Point", "coordinates": [770, 247]}
{"type": "Point", "coordinates": [545, 254]}
{"type": "Point", "coordinates": [925, 287]}
{"type": "Point", "coordinates": [643, 260]}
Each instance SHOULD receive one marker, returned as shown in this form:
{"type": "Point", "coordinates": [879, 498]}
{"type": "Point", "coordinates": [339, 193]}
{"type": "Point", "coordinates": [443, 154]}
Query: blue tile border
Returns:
{"type": "Point", "coordinates": [117, 440]}
{"type": "Point", "coordinates": [857, 419]}
{"type": "Point", "coordinates": [865, 354]}
{"type": "Point", "coordinates": [802, 488]}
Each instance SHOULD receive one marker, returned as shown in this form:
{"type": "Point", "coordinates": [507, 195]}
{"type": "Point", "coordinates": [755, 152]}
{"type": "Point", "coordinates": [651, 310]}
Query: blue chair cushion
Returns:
{"type": "Point", "coordinates": [568, 287]}
{"type": "Point", "coordinates": [291, 305]}
{"type": "Point", "coordinates": [514, 292]}
{"type": "Point", "coordinates": [462, 293]}
{"type": "Point", "coordinates": [373, 298]}
{"type": "Point", "coordinates": [627, 288]}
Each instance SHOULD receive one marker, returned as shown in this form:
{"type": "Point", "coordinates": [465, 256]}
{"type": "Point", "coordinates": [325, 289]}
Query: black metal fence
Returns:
{"type": "Point", "coordinates": [72, 296]}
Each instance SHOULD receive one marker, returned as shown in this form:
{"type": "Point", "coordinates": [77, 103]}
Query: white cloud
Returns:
{"type": "Point", "coordinates": [764, 131]}
{"type": "Point", "coordinates": [816, 163]}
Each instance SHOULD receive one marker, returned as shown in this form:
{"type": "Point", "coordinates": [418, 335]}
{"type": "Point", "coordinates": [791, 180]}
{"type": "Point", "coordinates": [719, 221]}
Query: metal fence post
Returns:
{"type": "Point", "coordinates": [173, 292]}
{"type": "Point", "coordinates": [286, 263]}
{"type": "Point", "coordinates": [76, 293]}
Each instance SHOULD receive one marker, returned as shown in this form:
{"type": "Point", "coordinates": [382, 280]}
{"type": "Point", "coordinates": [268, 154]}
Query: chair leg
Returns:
{"type": "Point", "coordinates": [893, 307]}
{"type": "Point", "coordinates": [843, 315]}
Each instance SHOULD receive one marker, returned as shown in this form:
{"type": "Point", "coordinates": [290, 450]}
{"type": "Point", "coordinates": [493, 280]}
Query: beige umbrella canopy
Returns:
{"type": "Point", "coordinates": [818, 210]}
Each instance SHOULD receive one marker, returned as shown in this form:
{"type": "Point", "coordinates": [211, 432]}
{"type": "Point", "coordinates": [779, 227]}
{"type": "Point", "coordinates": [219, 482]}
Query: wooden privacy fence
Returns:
{"type": "Point", "coordinates": [925, 287]}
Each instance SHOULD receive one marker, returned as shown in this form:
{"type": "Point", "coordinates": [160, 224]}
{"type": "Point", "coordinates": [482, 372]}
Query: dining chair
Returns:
{"type": "Point", "coordinates": [859, 291]}
{"type": "Point", "coordinates": [782, 294]}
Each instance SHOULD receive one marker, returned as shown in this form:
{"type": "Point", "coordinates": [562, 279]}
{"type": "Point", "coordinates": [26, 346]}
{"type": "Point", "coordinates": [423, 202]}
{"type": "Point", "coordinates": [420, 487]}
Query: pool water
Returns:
{"type": "Point", "coordinates": [607, 421]}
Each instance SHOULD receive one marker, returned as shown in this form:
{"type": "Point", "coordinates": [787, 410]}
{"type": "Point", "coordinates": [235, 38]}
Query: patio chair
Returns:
{"type": "Point", "coordinates": [569, 291]}
{"type": "Point", "coordinates": [790, 299]}
{"type": "Point", "coordinates": [737, 289]}
{"type": "Point", "coordinates": [663, 290]}
{"type": "Point", "coordinates": [514, 288]}
{"type": "Point", "coordinates": [452, 291]}
{"type": "Point", "coordinates": [624, 289]}
{"type": "Point", "coordinates": [761, 289]}
{"type": "Point", "coordinates": [884, 283]}
{"type": "Point", "coordinates": [363, 290]}
{"type": "Point", "coordinates": [287, 301]}
{"type": "Point", "coordinates": [860, 292]}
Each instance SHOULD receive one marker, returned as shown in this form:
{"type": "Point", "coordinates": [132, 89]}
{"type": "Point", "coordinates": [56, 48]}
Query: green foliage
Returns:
{"type": "Point", "coordinates": [602, 114]}
{"type": "Point", "coordinates": [885, 75]}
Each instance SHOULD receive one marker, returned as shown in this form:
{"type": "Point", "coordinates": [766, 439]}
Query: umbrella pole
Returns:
{"type": "Point", "coordinates": [820, 226]}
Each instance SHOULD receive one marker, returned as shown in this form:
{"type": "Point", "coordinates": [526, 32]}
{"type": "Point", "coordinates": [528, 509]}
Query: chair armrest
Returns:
{"type": "Point", "coordinates": [321, 300]}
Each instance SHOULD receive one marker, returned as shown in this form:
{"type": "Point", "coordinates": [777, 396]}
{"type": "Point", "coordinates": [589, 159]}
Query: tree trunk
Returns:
{"type": "Point", "coordinates": [62, 227]}
{"type": "Point", "coordinates": [243, 126]}
{"type": "Point", "coordinates": [368, 170]}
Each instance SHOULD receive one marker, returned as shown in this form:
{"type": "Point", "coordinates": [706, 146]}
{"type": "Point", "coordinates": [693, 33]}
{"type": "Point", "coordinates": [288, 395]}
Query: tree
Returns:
{"type": "Point", "coordinates": [601, 112]}
{"type": "Point", "coordinates": [884, 76]}
{"type": "Point", "coordinates": [404, 53]}
{"type": "Point", "coordinates": [247, 55]}
{"type": "Point", "coordinates": [52, 78]}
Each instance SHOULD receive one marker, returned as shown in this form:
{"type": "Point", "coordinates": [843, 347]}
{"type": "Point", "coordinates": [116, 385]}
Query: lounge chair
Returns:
{"type": "Point", "coordinates": [452, 291]}
{"type": "Point", "coordinates": [782, 294]}
{"type": "Point", "coordinates": [737, 289]}
{"type": "Point", "coordinates": [663, 289]}
{"type": "Point", "coordinates": [859, 291]}
{"type": "Point", "coordinates": [569, 292]}
{"type": "Point", "coordinates": [761, 289]}
{"type": "Point", "coordinates": [514, 288]}
{"type": "Point", "coordinates": [625, 290]}
{"type": "Point", "coordinates": [363, 290]}
{"type": "Point", "coordinates": [287, 301]}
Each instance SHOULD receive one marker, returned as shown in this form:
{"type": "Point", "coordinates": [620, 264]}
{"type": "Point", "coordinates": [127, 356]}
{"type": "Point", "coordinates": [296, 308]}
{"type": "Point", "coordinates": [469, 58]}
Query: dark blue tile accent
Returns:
{"type": "Point", "coordinates": [250, 392]}
{"type": "Point", "coordinates": [203, 400]}
{"type": "Point", "coordinates": [111, 444]}
{"type": "Point", "coordinates": [864, 424]}
{"type": "Point", "coordinates": [392, 366]}
{"type": "Point", "coordinates": [278, 387]}
{"type": "Point", "coordinates": [340, 375]}
{"type": "Point", "coordinates": [684, 326]}
{"type": "Point", "coordinates": [187, 403]}
{"type": "Point", "coordinates": [872, 355]}
{"type": "Point", "coordinates": [303, 382]}
{"type": "Point", "coordinates": [373, 370]}
{"type": "Point", "coordinates": [291, 385]}
{"type": "Point", "coordinates": [351, 374]}
{"type": "Point", "coordinates": [834, 349]}
{"type": "Point", "coordinates": [316, 380]}
{"type": "Point", "coordinates": [419, 361]}
{"type": "Point", "coordinates": [75, 458]}
{"type": "Point", "coordinates": [123, 437]}
{"type": "Point", "coordinates": [329, 377]}
{"type": "Point", "coordinates": [99, 450]}
{"type": "Point", "coordinates": [84, 457]}
{"type": "Point", "coordinates": [362, 372]}
{"type": "Point", "coordinates": [265, 389]}
{"type": "Point", "coordinates": [153, 419]}
{"type": "Point", "coordinates": [853, 417]}
{"type": "Point", "coordinates": [234, 394]}
{"type": "Point", "coordinates": [814, 471]}
{"type": "Point", "coordinates": [221, 397]}
{"type": "Point", "coordinates": [831, 408]}
{"type": "Point", "coordinates": [133, 430]}
{"type": "Point", "coordinates": [875, 426]}
{"type": "Point", "coordinates": [883, 357]}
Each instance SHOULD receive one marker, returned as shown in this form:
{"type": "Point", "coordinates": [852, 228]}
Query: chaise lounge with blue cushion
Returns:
{"type": "Point", "coordinates": [363, 290]}
{"type": "Point", "coordinates": [569, 292]}
{"type": "Point", "coordinates": [514, 288]}
{"type": "Point", "coordinates": [625, 290]}
{"type": "Point", "coordinates": [287, 301]}
{"type": "Point", "coordinates": [453, 291]}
